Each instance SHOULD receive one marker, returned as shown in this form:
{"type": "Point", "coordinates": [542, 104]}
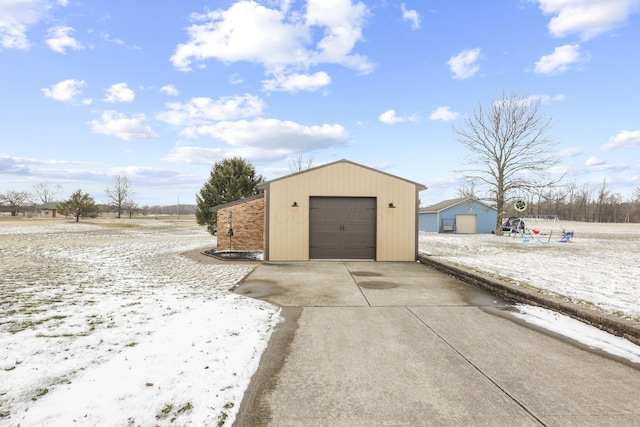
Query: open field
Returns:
{"type": "Point", "coordinates": [600, 268]}
{"type": "Point", "coordinates": [103, 321]}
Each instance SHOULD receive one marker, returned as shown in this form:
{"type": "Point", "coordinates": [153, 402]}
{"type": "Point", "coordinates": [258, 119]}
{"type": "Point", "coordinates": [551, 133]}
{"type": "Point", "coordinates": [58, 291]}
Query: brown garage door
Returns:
{"type": "Point", "coordinates": [342, 228]}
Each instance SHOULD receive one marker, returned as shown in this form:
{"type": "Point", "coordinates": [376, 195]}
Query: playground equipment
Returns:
{"type": "Point", "coordinates": [540, 229]}
{"type": "Point", "coordinates": [551, 223]}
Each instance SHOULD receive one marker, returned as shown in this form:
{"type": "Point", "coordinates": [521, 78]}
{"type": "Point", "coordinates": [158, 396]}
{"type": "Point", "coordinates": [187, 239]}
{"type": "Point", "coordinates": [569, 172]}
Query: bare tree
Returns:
{"type": "Point", "coordinates": [131, 207]}
{"type": "Point", "coordinates": [120, 194]}
{"type": "Point", "coordinates": [299, 163]}
{"type": "Point", "coordinates": [510, 149]}
{"type": "Point", "coordinates": [467, 189]}
{"type": "Point", "coordinates": [46, 192]}
{"type": "Point", "coordinates": [603, 195]}
{"type": "Point", "coordinates": [15, 200]}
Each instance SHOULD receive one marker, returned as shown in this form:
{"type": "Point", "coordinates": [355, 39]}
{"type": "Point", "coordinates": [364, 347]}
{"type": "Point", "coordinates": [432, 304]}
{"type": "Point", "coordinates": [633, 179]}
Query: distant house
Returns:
{"type": "Point", "coordinates": [49, 210]}
{"type": "Point", "coordinates": [465, 215]}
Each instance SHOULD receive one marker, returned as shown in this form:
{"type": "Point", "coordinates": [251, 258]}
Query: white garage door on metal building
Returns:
{"type": "Point", "coordinates": [342, 228]}
{"type": "Point", "coordinates": [466, 224]}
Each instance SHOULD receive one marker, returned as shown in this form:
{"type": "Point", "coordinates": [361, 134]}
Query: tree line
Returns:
{"type": "Point", "coordinates": [585, 203]}
{"type": "Point", "coordinates": [120, 197]}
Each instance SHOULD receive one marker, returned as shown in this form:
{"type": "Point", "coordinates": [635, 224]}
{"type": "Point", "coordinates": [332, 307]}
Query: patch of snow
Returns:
{"type": "Point", "coordinates": [579, 331]}
{"type": "Point", "coordinates": [600, 268]}
{"type": "Point", "coordinates": [104, 323]}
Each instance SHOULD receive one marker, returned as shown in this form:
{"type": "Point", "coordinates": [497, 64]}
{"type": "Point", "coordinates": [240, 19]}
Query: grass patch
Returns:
{"type": "Point", "coordinates": [117, 224]}
{"type": "Point", "coordinates": [167, 411]}
{"type": "Point", "coordinates": [164, 412]}
{"type": "Point", "coordinates": [39, 393]}
{"type": "Point", "coordinates": [186, 408]}
{"type": "Point", "coordinates": [223, 415]}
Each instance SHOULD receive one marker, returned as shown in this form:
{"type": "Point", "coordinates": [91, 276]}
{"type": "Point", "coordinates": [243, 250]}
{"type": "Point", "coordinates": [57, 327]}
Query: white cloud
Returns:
{"type": "Point", "coordinates": [545, 99]}
{"type": "Point", "coordinates": [208, 156]}
{"type": "Point", "coordinates": [390, 117]}
{"type": "Point", "coordinates": [624, 138]}
{"type": "Point", "coordinates": [119, 125]}
{"type": "Point", "coordinates": [274, 134]}
{"type": "Point", "coordinates": [107, 37]}
{"type": "Point", "coordinates": [170, 90]}
{"type": "Point", "coordinates": [570, 152]}
{"type": "Point", "coordinates": [560, 60]}
{"type": "Point", "coordinates": [412, 16]}
{"type": "Point", "coordinates": [444, 113]}
{"type": "Point", "coordinates": [66, 90]}
{"type": "Point", "coordinates": [594, 161]}
{"type": "Point", "coordinates": [587, 18]}
{"type": "Point", "coordinates": [260, 140]}
{"type": "Point", "coordinates": [59, 40]}
{"type": "Point", "coordinates": [230, 36]}
{"type": "Point", "coordinates": [119, 92]}
{"type": "Point", "coordinates": [595, 164]}
{"type": "Point", "coordinates": [16, 16]}
{"type": "Point", "coordinates": [286, 45]}
{"type": "Point", "coordinates": [199, 111]}
{"type": "Point", "coordinates": [464, 64]}
{"type": "Point", "coordinates": [297, 82]}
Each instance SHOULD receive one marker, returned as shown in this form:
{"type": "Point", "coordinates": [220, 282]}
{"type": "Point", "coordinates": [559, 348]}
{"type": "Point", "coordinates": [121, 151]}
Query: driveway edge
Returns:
{"type": "Point", "coordinates": [617, 326]}
{"type": "Point", "coordinates": [254, 410]}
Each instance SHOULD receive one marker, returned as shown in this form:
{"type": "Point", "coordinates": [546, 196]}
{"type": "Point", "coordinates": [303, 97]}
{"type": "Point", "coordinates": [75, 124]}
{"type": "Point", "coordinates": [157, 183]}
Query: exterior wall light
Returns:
{"type": "Point", "coordinates": [294, 205]}
{"type": "Point", "coordinates": [392, 206]}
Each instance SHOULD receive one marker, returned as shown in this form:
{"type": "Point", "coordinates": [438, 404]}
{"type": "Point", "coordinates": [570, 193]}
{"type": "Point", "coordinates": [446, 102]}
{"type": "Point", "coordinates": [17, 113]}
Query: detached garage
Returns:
{"type": "Point", "coordinates": [463, 216]}
{"type": "Point", "coordinates": [341, 210]}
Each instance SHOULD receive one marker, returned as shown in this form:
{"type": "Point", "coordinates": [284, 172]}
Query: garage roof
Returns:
{"type": "Point", "coordinates": [265, 185]}
{"type": "Point", "coordinates": [446, 204]}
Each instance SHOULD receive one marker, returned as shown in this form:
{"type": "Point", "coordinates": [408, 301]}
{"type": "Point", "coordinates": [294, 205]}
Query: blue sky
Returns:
{"type": "Point", "coordinates": [159, 91]}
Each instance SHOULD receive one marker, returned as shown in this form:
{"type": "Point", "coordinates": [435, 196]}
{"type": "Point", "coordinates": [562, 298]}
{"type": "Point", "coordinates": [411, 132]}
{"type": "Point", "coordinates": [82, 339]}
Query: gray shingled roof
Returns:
{"type": "Point", "coordinates": [50, 205]}
{"type": "Point", "coordinates": [445, 204]}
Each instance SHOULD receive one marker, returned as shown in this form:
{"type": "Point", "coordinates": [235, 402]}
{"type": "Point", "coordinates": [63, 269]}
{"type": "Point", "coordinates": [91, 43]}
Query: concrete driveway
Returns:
{"type": "Point", "coordinates": [399, 344]}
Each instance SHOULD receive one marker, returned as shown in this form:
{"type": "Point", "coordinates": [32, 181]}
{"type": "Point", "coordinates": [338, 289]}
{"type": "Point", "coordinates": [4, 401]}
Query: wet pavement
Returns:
{"type": "Point", "coordinates": [395, 344]}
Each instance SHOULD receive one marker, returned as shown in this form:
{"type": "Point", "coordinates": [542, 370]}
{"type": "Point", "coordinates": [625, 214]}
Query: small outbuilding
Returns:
{"type": "Point", "coordinates": [341, 210]}
{"type": "Point", "coordinates": [49, 210]}
{"type": "Point", "coordinates": [464, 215]}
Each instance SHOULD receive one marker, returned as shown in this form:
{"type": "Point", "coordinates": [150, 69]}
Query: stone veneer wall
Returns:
{"type": "Point", "coordinates": [247, 220]}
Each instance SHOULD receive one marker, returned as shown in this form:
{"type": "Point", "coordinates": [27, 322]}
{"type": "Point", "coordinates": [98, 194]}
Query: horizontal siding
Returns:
{"type": "Point", "coordinates": [289, 226]}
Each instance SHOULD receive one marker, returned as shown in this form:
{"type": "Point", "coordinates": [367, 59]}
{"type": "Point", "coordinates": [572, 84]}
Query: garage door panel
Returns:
{"type": "Point", "coordinates": [342, 228]}
{"type": "Point", "coordinates": [466, 224]}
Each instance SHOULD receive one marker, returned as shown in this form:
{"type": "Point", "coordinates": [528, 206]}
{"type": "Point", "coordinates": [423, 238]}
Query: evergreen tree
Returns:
{"type": "Point", "coordinates": [79, 205]}
{"type": "Point", "coordinates": [230, 180]}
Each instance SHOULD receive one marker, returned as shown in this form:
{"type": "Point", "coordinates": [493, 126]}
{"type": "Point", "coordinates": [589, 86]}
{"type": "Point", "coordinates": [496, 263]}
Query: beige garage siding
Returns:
{"type": "Point", "coordinates": [288, 227]}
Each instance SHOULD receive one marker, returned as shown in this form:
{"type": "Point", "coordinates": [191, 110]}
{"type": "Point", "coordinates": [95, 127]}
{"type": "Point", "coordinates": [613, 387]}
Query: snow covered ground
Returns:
{"type": "Point", "coordinates": [600, 268]}
{"type": "Point", "coordinates": [104, 323]}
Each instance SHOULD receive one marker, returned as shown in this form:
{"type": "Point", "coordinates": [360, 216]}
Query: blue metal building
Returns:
{"type": "Point", "coordinates": [463, 216]}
